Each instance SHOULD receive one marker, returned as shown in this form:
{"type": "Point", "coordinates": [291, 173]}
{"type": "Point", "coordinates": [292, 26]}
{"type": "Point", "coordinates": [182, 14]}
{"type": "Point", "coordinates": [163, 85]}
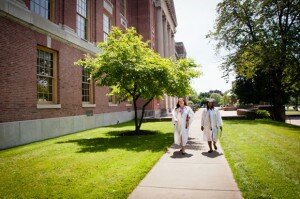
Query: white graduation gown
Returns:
{"type": "Point", "coordinates": [211, 121]}
{"type": "Point", "coordinates": [180, 129]}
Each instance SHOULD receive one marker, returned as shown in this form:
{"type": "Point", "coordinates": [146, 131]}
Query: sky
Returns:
{"type": "Point", "coordinates": [195, 19]}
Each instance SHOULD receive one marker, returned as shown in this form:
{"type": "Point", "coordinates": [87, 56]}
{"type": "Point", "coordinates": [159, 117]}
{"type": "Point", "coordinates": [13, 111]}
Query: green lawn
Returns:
{"type": "Point", "coordinates": [264, 157]}
{"type": "Point", "coordinates": [97, 163]}
{"type": "Point", "coordinates": [290, 112]}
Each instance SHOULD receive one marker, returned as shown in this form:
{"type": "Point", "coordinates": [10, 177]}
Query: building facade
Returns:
{"type": "Point", "coordinates": [42, 93]}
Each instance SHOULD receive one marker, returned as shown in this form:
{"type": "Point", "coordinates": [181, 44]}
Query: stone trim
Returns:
{"type": "Point", "coordinates": [88, 105]}
{"type": "Point", "coordinates": [24, 132]}
{"type": "Point", "coordinates": [48, 106]}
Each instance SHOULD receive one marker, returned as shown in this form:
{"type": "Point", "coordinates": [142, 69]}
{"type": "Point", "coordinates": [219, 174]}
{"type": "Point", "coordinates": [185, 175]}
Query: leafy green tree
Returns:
{"type": "Point", "coordinates": [225, 100]}
{"type": "Point", "coordinates": [217, 97]}
{"type": "Point", "coordinates": [194, 97]}
{"type": "Point", "coordinates": [132, 70]}
{"type": "Point", "coordinates": [262, 35]}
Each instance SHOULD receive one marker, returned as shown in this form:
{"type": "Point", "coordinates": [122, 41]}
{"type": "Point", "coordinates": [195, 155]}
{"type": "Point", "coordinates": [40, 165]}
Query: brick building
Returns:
{"type": "Point", "coordinates": [42, 93]}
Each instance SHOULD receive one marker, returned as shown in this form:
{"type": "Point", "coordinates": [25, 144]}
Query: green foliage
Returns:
{"type": "Point", "coordinates": [263, 156]}
{"type": "Point", "coordinates": [194, 97]}
{"type": "Point", "coordinates": [262, 37]}
{"type": "Point", "coordinates": [97, 163]}
{"type": "Point", "coordinates": [133, 70]}
{"type": "Point", "coordinates": [217, 97]}
{"type": "Point", "coordinates": [262, 114]}
{"type": "Point", "coordinates": [226, 98]}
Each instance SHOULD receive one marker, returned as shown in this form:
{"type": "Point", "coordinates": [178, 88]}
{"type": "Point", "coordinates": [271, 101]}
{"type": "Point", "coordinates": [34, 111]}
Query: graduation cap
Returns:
{"type": "Point", "coordinates": [210, 100]}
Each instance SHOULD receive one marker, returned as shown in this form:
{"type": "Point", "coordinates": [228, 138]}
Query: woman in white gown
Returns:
{"type": "Point", "coordinates": [182, 118]}
{"type": "Point", "coordinates": [211, 122]}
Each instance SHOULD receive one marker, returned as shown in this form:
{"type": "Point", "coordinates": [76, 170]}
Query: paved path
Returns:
{"type": "Point", "coordinates": [196, 175]}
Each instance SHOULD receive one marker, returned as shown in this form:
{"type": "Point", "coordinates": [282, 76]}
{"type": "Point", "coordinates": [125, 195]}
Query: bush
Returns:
{"type": "Point", "coordinates": [262, 114]}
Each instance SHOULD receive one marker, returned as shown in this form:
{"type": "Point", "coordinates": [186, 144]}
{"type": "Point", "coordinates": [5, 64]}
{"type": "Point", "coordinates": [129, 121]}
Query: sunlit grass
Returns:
{"type": "Point", "coordinates": [97, 163]}
{"type": "Point", "coordinates": [264, 157]}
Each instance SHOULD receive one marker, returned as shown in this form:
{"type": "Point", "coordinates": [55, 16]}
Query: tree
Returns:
{"type": "Point", "coordinates": [262, 35]}
{"type": "Point", "coordinates": [225, 100]}
{"type": "Point", "coordinates": [132, 70]}
{"type": "Point", "coordinates": [203, 97]}
{"type": "Point", "coordinates": [217, 97]}
{"type": "Point", "coordinates": [193, 96]}
{"type": "Point", "coordinates": [252, 90]}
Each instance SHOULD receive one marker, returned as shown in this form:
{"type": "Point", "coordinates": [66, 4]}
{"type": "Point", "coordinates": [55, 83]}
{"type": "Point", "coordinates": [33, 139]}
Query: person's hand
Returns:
{"type": "Point", "coordinates": [221, 128]}
{"type": "Point", "coordinates": [202, 128]}
{"type": "Point", "coordinates": [176, 120]}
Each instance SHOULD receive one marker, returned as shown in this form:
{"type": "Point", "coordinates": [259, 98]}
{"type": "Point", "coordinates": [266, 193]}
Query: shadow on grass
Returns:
{"type": "Point", "coordinates": [214, 154]}
{"type": "Point", "coordinates": [265, 121]}
{"type": "Point", "coordinates": [148, 140]}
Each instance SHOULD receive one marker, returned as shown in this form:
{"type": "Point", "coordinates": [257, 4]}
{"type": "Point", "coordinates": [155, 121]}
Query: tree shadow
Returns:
{"type": "Point", "coordinates": [121, 125]}
{"type": "Point", "coordinates": [214, 154]}
{"type": "Point", "coordinates": [178, 154]}
{"type": "Point", "coordinates": [154, 141]}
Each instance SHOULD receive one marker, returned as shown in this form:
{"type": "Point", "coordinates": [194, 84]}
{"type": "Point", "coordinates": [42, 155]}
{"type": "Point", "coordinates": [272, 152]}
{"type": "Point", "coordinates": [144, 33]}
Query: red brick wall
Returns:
{"type": "Point", "coordinates": [18, 77]}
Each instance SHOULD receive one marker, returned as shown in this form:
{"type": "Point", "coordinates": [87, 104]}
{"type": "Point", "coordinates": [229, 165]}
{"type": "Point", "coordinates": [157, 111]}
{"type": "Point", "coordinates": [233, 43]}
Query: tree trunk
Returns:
{"type": "Point", "coordinates": [138, 123]}
{"type": "Point", "coordinates": [278, 95]}
{"type": "Point", "coordinates": [278, 111]}
{"type": "Point", "coordinates": [143, 111]}
{"type": "Point", "coordinates": [296, 102]}
{"type": "Point", "coordinates": [137, 127]}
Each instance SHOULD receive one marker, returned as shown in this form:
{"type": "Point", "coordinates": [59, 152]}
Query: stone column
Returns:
{"type": "Point", "coordinates": [166, 41]}
{"type": "Point", "coordinates": [167, 102]}
{"type": "Point", "coordinates": [173, 44]}
{"type": "Point", "coordinates": [159, 31]}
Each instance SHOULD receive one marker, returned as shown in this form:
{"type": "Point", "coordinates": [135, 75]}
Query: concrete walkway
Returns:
{"type": "Point", "coordinates": [196, 175]}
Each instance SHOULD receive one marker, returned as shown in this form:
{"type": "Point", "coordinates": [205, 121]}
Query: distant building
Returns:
{"type": "Point", "coordinates": [180, 50]}
{"type": "Point", "coordinates": [215, 91]}
{"type": "Point", "coordinates": [42, 93]}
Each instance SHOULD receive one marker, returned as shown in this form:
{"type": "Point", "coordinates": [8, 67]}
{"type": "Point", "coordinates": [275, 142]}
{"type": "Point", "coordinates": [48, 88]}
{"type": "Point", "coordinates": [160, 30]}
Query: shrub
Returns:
{"type": "Point", "coordinates": [262, 114]}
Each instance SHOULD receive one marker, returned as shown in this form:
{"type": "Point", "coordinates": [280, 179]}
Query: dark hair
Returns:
{"type": "Point", "coordinates": [177, 105]}
{"type": "Point", "coordinates": [212, 107]}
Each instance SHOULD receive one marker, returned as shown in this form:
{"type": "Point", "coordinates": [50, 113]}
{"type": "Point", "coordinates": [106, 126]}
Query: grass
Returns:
{"type": "Point", "coordinates": [264, 157]}
{"type": "Point", "coordinates": [290, 112]}
{"type": "Point", "coordinates": [97, 163]}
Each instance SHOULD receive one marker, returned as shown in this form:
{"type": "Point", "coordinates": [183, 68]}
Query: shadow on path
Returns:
{"type": "Point", "coordinates": [214, 154]}
{"type": "Point", "coordinates": [178, 154]}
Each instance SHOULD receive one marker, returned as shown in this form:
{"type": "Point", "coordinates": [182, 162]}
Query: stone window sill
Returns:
{"type": "Point", "coordinates": [48, 106]}
{"type": "Point", "coordinates": [87, 105]}
{"type": "Point", "coordinates": [111, 104]}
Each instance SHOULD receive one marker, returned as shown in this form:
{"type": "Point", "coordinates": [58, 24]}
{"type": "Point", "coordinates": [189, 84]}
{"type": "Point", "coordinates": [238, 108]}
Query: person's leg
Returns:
{"type": "Point", "coordinates": [182, 147]}
{"type": "Point", "coordinates": [215, 145]}
{"type": "Point", "coordinates": [210, 146]}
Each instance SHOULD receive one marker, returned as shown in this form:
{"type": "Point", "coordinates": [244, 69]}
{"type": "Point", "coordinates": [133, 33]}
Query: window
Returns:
{"type": "Point", "coordinates": [41, 7]}
{"type": "Point", "coordinates": [123, 7]}
{"type": "Point", "coordinates": [113, 99]}
{"type": "Point", "coordinates": [81, 21]}
{"type": "Point", "coordinates": [106, 27]}
{"type": "Point", "coordinates": [46, 75]}
{"type": "Point", "coordinates": [87, 91]}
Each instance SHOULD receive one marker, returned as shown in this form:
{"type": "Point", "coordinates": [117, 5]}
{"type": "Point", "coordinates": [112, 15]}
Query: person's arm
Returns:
{"type": "Point", "coordinates": [219, 120]}
{"type": "Point", "coordinates": [174, 117]}
{"type": "Point", "coordinates": [191, 114]}
{"type": "Point", "coordinates": [202, 120]}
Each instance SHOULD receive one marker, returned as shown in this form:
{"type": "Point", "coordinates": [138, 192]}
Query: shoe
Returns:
{"type": "Point", "coordinates": [215, 147]}
{"type": "Point", "coordinates": [210, 151]}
